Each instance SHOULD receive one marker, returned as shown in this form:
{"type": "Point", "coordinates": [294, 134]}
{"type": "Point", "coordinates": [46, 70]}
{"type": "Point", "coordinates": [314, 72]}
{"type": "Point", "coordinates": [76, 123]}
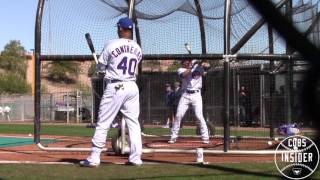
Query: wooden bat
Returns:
{"type": "Point", "coordinates": [194, 62]}
{"type": "Point", "coordinates": [188, 48]}
{"type": "Point", "coordinates": [90, 44]}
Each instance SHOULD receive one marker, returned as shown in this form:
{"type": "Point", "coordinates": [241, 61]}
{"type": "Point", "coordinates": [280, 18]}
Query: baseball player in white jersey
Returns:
{"type": "Point", "coordinates": [191, 77]}
{"type": "Point", "coordinates": [121, 58]}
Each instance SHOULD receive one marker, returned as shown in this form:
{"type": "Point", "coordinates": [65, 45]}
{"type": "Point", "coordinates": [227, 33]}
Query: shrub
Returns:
{"type": "Point", "coordinates": [13, 83]}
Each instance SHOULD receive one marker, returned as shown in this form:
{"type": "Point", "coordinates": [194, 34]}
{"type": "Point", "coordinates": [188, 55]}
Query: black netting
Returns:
{"type": "Point", "coordinates": [164, 25]}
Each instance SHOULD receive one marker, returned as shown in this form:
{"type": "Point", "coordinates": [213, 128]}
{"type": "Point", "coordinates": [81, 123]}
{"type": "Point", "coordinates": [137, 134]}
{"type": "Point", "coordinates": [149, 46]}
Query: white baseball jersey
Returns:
{"type": "Point", "coordinates": [191, 82]}
{"type": "Point", "coordinates": [121, 56]}
{"type": "Point", "coordinates": [194, 80]}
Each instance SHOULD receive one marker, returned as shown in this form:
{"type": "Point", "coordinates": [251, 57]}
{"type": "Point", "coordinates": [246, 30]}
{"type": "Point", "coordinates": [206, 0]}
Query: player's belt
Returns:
{"type": "Point", "coordinates": [192, 91]}
{"type": "Point", "coordinates": [117, 80]}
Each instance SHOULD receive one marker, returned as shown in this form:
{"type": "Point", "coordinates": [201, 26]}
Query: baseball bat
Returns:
{"type": "Point", "coordinates": [188, 48]}
{"type": "Point", "coordinates": [195, 62]}
{"type": "Point", "coordinates": [90, 44]}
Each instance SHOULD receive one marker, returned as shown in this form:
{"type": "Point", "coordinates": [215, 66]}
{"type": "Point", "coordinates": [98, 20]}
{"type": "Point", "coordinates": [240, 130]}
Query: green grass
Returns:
{"type": "Point", "coordinates": [50, 129]}
{"type": "Point", "coordinates": [155, 171]}
{"type": "Point", "coordinates": [158, 171]}
{"type": "Point", "coordinates": [81, 130]}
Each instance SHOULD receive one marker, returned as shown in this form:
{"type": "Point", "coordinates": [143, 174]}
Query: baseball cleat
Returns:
{"type": "Point", "coordinates": [166, 126]}
{"type": "Point", "coordinates": [132, 164]}
{"type": "Point", "coordinates": [86, 163]}
{"type": "Point", "coordinates": [143, 134]}
{"type": "Point", "coordinates": [205, 141]}
{"type": "Point", "coordinates": [172, 140]}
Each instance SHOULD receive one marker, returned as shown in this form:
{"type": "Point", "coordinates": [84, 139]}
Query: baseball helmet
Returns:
{"type": "Point", "coordinates": [125, 22]}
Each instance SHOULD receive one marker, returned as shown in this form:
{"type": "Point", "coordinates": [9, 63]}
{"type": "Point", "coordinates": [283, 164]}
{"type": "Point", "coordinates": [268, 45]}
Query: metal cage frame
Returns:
{"type": "Point", "coordinates": [264, 7]}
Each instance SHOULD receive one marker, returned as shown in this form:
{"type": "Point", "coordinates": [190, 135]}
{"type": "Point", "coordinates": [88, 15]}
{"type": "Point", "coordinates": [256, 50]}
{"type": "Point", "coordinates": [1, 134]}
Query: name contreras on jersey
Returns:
{"type": "Point", "coordinates": [126, 49]}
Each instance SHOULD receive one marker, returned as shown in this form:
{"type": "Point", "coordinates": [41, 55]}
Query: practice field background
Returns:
{"type": "Point", "coordinates": [264, 62]}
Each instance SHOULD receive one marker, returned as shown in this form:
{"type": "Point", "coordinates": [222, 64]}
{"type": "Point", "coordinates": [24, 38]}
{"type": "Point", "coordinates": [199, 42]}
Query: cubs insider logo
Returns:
{"type": "Point", "coordinates": [296, 157]}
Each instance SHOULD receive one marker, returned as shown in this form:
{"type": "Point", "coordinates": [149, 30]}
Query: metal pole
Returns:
{"type": "Point", "coordinates": [201, 26]}
{"type": "Point", "coordinates": [68, 108]}
{"type": "Point", "coordinates": [135, 20]}
{"type": "Point", "coordinates": [289, 76]}
{"type": "Point", "coordinates": [77, 106]}
{"type": "Point", "coordinates": [149, 101]}
{"type": "Point", "coordinates": [271, 81]}
{"type": "Point", "coordinates": [131, 5]}
{"type": "Point", "coordinates": [262, 99]}
{"type": "Point", "coordinates": [238, 104]}
{"type": "Point", "coordinates": [226, 125]}
{"type": "Point", "coordinates": [132, 15]}
{"type": "Point", "coordinates": [235, 93]}
{"type": "Point", "coordinates": [226, 96]}
{"type": "Point", "coordinates": [22, 108]}
{"type": "Point", "coordinates": [211, 57]}
{"type": "Point", "coordinates": [37, 47]}
{"type": "Point", "coordinates": [51, 110]}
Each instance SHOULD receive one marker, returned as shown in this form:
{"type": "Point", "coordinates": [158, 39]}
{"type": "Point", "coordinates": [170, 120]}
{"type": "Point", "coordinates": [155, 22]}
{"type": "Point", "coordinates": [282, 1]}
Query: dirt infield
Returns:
{"type": "Point", "coordinates": [33, 154]}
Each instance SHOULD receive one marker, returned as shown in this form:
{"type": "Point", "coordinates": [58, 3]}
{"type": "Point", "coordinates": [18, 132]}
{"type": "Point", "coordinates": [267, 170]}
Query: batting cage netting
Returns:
{"type": "Point", "coordinates": [251, 89]}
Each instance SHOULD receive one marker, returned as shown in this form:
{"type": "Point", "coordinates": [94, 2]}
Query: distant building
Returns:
{"type": "Point", "coordinates": [156, 65]}
{"type": "Point", "coordinates": [30, 69]}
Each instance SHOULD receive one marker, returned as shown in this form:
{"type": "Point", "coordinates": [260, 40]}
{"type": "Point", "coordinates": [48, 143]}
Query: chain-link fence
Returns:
{"type": "Point", "coordinates": [16, 108]}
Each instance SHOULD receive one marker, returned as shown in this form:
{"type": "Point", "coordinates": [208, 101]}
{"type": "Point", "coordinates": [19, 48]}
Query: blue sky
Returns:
{"type": "Point", "coordinates": [17, 19]}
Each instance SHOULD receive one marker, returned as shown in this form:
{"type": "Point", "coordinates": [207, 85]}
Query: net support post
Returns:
{"type": "Point", "coordinates": [226, 121]}
{"type": "Point", "coordinates": [37, 69]}
{"type": "Point", "coordinates": [227, 52]}
{"type": "Point", "coordinates": [130, 11]}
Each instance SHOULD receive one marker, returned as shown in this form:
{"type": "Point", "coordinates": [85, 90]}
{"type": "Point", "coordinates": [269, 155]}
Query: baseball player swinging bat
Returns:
{"type": "Point", "coordinates": [90, 44]}
{"type": "Point", "coordinates": [211, 127]}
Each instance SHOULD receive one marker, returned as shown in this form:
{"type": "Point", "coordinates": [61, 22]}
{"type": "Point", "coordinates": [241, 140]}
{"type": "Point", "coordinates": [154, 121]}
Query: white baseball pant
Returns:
{"type": "Point", "coordinates": [195, 100]}
{"type": "Point", "coordinates": [125, 99]}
